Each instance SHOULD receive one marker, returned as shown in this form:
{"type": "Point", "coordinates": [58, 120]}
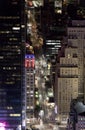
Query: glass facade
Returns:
{"type": "Point", "coordinates": [11, 62]}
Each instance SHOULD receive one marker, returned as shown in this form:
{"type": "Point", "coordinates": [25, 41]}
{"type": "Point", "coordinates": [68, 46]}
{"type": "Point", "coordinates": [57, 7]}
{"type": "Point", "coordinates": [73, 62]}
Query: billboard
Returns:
{"type": "Point", "coordinates": [29, 61]}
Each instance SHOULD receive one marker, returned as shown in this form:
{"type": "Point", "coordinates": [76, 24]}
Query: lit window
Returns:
{"type": "Point", "coordinates": [15, 115]}
{"type": "Point", "coordinates": [69, 56]}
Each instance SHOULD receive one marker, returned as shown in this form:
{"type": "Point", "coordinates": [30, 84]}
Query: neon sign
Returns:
{"type": "Point", "coordinates": [2, 126]}
{"type": "Point", "coordinates": [29, 61]}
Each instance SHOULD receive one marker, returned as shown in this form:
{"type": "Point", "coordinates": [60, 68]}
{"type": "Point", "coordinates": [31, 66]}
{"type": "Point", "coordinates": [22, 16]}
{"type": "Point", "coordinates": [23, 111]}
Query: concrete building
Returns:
{"type": "Point", "coordinates": [76, 120]}
{"type": "Point", "coordinates": [30, 83]}
{"type": "Point", "coordinates": [70, 69]}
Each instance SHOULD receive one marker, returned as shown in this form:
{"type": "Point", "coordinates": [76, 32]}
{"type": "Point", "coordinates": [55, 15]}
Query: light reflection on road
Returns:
{"type": "Point", "coordinates": [49, 126]}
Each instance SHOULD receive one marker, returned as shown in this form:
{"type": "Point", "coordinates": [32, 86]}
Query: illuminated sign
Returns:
{"type": "Point", "coordinates": [2, 126]}
{"type": "Point", "coordinates": [29, 56]}
{"type": "Point", "coordinates": [29, 61]}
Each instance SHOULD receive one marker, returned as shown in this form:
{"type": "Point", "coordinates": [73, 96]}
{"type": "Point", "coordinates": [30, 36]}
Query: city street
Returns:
{"type": "Point", "coordinates": [49, 126]}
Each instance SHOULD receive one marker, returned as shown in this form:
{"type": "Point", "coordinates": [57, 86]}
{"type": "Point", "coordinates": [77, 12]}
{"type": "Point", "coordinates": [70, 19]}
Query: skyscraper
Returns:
{"type": "Point", "coordinates": [12, 38]}
{"type": "Point", "coordinates": [30, 86]}
{"type": "Point", "coordinates": [70, 69]}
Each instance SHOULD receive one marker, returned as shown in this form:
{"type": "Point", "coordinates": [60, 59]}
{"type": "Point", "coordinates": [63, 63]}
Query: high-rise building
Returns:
{"type": "Point", "coordinates": [30, 87]}
{"type": "Point", "coordinates": [70, 69]}
{"type": "Point", "coordinates": [76, 35]}
{"type": "Point", "coordinates": [76, 115]}
{"type": "Point", "coordinates": [12, 87]}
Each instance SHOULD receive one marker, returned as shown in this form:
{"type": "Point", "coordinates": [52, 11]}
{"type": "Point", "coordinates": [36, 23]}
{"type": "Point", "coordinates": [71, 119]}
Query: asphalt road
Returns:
{"type": "Point", "coordinates": [49, 126]}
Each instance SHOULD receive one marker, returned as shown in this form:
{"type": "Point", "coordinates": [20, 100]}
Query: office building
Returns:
{"type": "Point", "coordinates": [76, 118]}
{"type": "Point", "coordinates": [12, 86]}
{"type": "Point", "coordinates": [30, 87]}
{"type": "Point", "coordinates": [70, 69]}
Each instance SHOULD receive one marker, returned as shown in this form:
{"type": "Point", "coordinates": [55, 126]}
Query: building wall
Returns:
{"type": "Point", "coordinates": [30, 84]}
{"type": "Point", "coordinates": [81, 123]}
{"type": "Point", "coordinates": [70, 69]}
{"type": "Point", "coordinates": [78, 35]}
{"type": "Point", "coordinates": [66, 91]}
{"type": "Point", "coordinates": [11, 63]}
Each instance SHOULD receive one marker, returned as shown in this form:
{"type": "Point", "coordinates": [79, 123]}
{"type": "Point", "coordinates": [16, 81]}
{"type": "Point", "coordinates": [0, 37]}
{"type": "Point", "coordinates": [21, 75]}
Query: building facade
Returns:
{"type": "Point", "coordinates": [12, 38]}
{"type": "Point", "coordinates": [70, 69]}
{"type": "Point", "coordinates": [30, 87]}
